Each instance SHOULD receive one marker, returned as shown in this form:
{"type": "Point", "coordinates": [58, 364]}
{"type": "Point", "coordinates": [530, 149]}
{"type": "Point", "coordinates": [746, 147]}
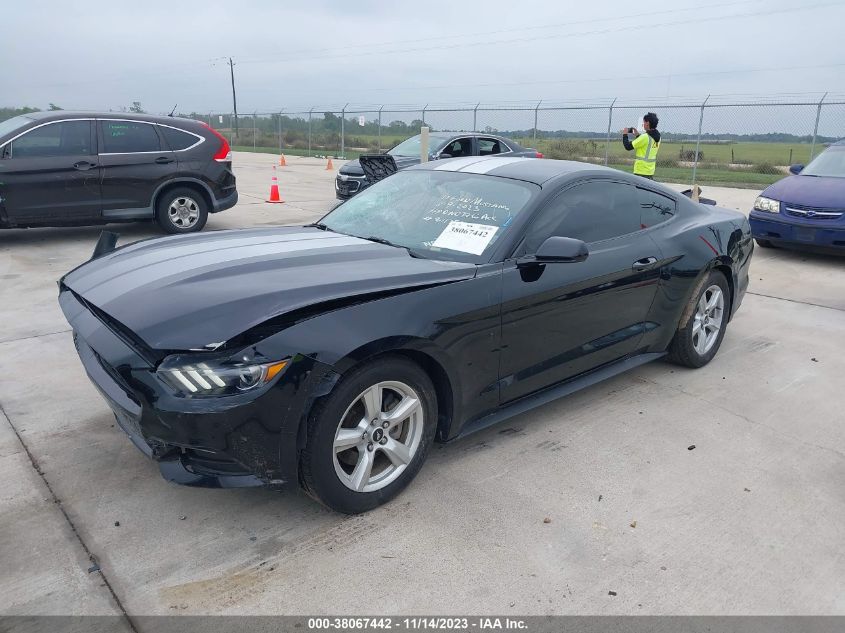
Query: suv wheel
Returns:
{"type": "Point", "coordinates": [703, 323]}
{"type": "Point", "coordinates": [368, 439]}
{"type": "Point", "coordinates": [181, 211]}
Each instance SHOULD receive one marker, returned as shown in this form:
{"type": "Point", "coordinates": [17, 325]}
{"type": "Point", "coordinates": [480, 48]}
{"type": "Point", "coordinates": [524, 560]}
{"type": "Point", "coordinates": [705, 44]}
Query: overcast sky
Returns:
{"type": "Point", "coordinates": [290, 54]}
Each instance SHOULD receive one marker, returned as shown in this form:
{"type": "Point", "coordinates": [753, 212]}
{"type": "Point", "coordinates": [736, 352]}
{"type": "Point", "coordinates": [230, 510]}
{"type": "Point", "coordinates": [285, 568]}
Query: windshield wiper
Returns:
{"type": "Point", "coordinates": [321, 226]}
{"type": "Point", "coordinates": [381, 240]}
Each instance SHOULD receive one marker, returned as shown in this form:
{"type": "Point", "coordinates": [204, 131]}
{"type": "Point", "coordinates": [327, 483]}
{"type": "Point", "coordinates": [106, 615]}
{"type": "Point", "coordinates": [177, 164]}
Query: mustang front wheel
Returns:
{"type": "Point", "coordinates": [371, 435]}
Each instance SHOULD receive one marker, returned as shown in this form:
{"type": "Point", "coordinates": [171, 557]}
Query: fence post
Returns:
{"type": "Point", "coordinates": [379, 126]}
{"type": "Point", "coordinates": [816, 128]}
{"type": "Point", "coordinates": [309, 130]}
{"type": "Point", "coordinates": [343, 132]}
{"type": "Point", "coordinates": [475, 117]}
{"type": "Point", "coordinates": [210, 124]}
{"type": "Point", "coordinates": [423, 113]}
{"type": "Point", "coordinates": [254, 117]}
{"type": "Point", "coordinates": [280, 130]}
{"type": "Point", "coordinates": [609, 123]}
{"type": "Point", "coordinates": [698, 140]}
{"type": "Point", "coordinates": [536, 109]}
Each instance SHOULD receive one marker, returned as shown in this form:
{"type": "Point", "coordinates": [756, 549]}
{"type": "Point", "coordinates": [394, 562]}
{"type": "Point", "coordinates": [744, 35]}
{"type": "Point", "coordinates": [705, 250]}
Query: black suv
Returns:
{"type": "Point", "coordinates": [70, 168]}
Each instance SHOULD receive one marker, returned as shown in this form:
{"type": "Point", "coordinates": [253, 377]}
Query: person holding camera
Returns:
{"type": "Point", "coordinates": [645, 146]}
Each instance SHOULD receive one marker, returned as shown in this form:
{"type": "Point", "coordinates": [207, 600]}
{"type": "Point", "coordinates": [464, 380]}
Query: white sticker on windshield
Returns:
{"type": "Point", "coordinates": [465, 237]}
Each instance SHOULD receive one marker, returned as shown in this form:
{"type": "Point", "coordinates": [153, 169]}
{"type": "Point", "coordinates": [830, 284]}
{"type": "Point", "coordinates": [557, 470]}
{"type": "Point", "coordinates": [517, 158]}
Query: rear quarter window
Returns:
{"type": "Point", "coordinates": [654, 208]}
{"type": "Point", "coordinates": [178, 139]}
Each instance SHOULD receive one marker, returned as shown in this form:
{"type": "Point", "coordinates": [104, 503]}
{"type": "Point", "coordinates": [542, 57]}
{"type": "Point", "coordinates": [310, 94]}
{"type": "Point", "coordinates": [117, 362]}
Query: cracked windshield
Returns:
{"type": "Point", "coordinates": [446, 215]}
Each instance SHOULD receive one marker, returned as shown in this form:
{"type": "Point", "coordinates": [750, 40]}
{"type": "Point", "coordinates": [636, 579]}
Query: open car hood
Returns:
{"type": "Point", "coordinates": [192, 291]}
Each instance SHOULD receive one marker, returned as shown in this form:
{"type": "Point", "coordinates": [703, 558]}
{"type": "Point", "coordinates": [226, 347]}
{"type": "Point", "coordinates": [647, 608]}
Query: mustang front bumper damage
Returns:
{"type": "Point", "coordinates": [250, 439]}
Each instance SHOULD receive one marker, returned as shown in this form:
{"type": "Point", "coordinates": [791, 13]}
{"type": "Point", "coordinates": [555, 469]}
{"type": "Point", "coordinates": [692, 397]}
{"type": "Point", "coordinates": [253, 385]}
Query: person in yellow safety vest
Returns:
{"type": "Point", "coordinates": [645, 146]}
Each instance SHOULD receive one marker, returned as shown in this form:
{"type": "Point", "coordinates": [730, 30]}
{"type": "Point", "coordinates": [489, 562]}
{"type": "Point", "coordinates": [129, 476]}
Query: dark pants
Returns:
{"type": "Point", "coordinates": [644, 176]}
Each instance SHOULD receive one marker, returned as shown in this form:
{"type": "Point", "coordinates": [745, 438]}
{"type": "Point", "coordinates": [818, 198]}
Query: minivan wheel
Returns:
{"type": "Point", "coordinates": [368, 439]}
{"type": "Point", "coordinates": [703, 323]}
{"type": "Point", "coordinates": [764, 243]}
{"type": "Point", "coordinates": [181, 211]}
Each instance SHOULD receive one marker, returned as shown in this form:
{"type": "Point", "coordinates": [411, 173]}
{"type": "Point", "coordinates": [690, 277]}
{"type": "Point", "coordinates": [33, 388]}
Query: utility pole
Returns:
{"type": "Point", "coordinates": [234, 98]}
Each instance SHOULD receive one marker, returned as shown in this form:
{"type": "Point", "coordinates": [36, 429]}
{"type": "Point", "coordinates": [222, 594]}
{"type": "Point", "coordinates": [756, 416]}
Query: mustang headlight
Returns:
{"type": "Point", "coordinates": [767, 204]}
{"type": "Point", "coordinates": [195, 376]}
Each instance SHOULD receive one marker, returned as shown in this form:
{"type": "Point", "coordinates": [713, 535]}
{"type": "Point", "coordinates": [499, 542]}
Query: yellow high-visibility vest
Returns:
{"type": "Point", "coordinates": [645, 151]}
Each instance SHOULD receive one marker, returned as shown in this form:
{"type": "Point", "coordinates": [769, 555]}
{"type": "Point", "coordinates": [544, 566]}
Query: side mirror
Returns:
{"type": "Point", "coordinates": [796, 169]}
{"type": "Point", "coordinates": [557, 250]}
{"type": "Point", "coordinates": [444, 155]}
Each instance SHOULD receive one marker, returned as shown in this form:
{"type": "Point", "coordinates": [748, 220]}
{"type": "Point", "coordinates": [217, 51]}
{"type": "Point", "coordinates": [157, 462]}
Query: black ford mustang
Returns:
{"type": "Point", "coordinates": [440, 300]}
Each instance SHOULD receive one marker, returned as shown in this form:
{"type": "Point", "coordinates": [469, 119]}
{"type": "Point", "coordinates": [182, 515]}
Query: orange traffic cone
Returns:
{"type": "Point", "coordinates": [329, 165]}
{"type": "Point", "coordinates": [274, 188]}
{"type": "Point", "coordinates": [282, 162]}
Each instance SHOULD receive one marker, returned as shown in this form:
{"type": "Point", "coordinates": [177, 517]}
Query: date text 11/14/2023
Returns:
{"type": "Point", "coordinates": [418, 623]}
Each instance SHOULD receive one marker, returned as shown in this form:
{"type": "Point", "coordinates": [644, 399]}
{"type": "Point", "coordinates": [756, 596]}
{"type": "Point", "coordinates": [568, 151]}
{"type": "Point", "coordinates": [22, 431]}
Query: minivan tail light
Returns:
{"type": "Point", "coordinates": [539, 155]}
{"type": "Point", "coordinates": [225, 152]}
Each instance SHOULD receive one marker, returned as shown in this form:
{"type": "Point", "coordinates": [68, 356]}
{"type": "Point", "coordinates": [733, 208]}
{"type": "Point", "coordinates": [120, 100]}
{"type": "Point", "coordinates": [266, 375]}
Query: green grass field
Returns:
{"type": "Point", "coordinates": [744, 153]}
{"type": "Point", "coordinates": [713, 170]}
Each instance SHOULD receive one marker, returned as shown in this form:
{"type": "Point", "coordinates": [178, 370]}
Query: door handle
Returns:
{"type": "Point", "coordinates": [643, 263]}
{"type": "Point", "coordinates": [163, 160]}
{"type": "Point", "coordinates": [84, 165]}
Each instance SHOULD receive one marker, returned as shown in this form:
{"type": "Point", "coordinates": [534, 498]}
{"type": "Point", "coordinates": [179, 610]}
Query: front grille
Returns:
{"type": "Point", "coordinates": [204, 462]}
{"type": "Point", "coordinates": [347, 187]}
{"type": "Point", "coordinates": [115, 375]}
{"type": "Point", "coordinates": [813, 213]}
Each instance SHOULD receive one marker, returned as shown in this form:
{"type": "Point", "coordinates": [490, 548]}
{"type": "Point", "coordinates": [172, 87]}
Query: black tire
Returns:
{"type": "Point", "coordinates": [321, 466]}
{"type": "Point", "coordinates": [191, 215]}
{"type": "Point", "coordinates": [687, 347]}
{"type": "Point", "coordinates": [764, 243]}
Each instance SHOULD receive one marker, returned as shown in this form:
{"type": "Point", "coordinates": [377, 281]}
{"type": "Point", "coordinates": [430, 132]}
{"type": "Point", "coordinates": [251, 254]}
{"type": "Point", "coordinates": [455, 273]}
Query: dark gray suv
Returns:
{"type": "Point", "coordinates": [77, 168]}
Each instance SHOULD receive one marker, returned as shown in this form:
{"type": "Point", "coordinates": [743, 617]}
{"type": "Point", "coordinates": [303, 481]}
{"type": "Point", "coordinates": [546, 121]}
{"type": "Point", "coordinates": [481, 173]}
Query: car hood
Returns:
{"type": "Point", "coordinates": [353, 167]}
{"type": "Point", "coordinates": [194, 291]}
{"type": "Point", "coordinates": [811, 191]}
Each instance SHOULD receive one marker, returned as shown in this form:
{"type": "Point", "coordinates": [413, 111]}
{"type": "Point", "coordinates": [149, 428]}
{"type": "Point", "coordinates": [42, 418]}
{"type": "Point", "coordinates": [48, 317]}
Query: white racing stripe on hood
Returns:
{"type": "Point", "coordinates": [457, 163]}
{"type": "Point", "coordinates": [489, 164]}
{"type": "Point", "coordinates": [132, 270]}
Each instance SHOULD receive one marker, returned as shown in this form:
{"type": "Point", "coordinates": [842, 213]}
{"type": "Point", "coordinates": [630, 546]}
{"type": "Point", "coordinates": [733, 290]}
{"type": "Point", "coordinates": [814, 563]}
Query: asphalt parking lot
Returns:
{"type": "Point", "coordinates": [749, 521]}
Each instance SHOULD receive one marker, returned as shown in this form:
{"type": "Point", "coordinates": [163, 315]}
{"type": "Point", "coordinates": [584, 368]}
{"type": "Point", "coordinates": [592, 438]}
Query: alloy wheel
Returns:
{"type": "Point", "coordinates": [378, 436]}
{"type": "Point", "coordinates": [184, 212]}
{"type": "Point", "coordinates": [709, 315]}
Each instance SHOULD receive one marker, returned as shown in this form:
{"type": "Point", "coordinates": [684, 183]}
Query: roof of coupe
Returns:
{"type": "Point", "coordinates": [519, 168]}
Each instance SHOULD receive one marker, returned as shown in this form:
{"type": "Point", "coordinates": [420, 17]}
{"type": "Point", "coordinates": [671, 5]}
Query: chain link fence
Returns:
{"type": "Point", "coordinates": [750, 143]}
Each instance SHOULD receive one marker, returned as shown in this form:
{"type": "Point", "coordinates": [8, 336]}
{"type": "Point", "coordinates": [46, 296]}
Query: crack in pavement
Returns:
{"type": "Point", "coordinates": [742, 416]}
{"type": "Point", "coordinates": [58, 503]}
{"type": "Point", "coordinates": [806, 303]}
{"type": "Point", "coordinates": [26, 338]}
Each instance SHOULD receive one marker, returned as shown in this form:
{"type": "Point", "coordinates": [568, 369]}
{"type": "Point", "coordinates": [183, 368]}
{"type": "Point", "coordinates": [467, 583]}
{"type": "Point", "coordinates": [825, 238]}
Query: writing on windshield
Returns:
{"type": "Point", "coordinates": [438, 211]}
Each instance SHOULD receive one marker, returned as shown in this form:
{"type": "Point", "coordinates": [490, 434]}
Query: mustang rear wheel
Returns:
{"type": "Point", "coordinates": [370, 436]}
{"type": "Point", "coordinates": [703, 323]}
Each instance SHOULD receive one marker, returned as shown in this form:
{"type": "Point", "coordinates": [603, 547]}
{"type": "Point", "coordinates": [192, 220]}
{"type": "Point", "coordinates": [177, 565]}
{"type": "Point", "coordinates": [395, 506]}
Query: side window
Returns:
{"type": "Point", "coordinates": [127, 137]}
{"type": "Point", "coordinates": [654, 208]}
{"type": "Point", "coordinates": [591, 212]}
{"type": "Point", "coordinates": [489, 146]}
{"type": "Point", "coordinates": [66, 138]}
{"type": "Point", "coordinates": [458, 147]}
{"type": "Point", "coordinates": [177, 139]}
